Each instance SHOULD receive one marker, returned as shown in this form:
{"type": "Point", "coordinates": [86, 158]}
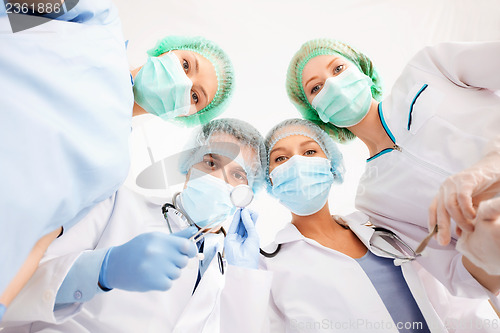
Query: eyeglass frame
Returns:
{"type": "Point", "coordinates": [393, 235]}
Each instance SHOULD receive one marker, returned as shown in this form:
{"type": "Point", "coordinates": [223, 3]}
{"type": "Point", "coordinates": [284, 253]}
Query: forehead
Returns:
{"type": "Point", "coordinates": [320, 62]}
{"type": "Point", "coordinates": [206, 66]}
{"type": "Point", "coordinates": [292, 141]}
{"type": "Point", "coordinates": [234, 149]}
{"type": "Point", "coordinates": [205, 74]}
{"type": "Point", "coordinates": [224, 161]}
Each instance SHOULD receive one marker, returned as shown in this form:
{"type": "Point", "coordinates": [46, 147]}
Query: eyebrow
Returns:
{"type": "Point", "coordinates": [196, 65]}
{"type": "Point", "coordinates": [239, 168]}
{"type": "Point", "coordinates": [302, 144]}
{"type": "Point", "coordinates": [331, 62]}
{"type": "Point", "coordinates": [275, 150]}
{"type": "Point", "coordinates": [313, 78]}
{"type": "Point", "coordinates": [328, 66]}
{"type": "Point", "coordinates": [204, 93]}
{"type": "Point", "coordinates": [214, 156]}
{"type": "Point", "coordinates": [308, 142]}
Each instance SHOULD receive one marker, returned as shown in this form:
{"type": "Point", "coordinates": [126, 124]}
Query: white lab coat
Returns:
{"type": "Point", "coordinates": [233, 302]}
{"type": "Point", "coordinates": [319, 289]}
{"type": "Point", "coordinates": [446, 130]}
{"type": "Point", "coordinates": [442, 113]}
{"type": "Point", "coordinates": [65, 119]}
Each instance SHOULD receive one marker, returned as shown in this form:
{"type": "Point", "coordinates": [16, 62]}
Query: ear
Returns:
{"type": "Point", "coordinates": [188, 176]}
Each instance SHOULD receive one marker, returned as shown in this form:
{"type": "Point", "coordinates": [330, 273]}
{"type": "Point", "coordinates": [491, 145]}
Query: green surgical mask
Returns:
{"type": "Point", "coordinates": [162, 87]}
{"type": "Point", "coordinates": [345, 99]}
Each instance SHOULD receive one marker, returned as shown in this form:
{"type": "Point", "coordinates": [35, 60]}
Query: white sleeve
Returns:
{"type": "Point", "coordinates": [446, 265]}
{"type": "Point", "coordinates": [36, 300]}
{"type": "Point", "coordinates": [244, 300]}
{"type": "Point", "coordinates": [467, 64]}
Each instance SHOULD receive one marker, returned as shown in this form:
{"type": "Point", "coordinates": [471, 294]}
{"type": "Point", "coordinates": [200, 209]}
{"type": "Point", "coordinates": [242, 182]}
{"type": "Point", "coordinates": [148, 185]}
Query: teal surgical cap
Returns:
{"type": "Point", "coordinates": [296, 92]}
{"type": "Point", "coordinates": [241, 134]}
{"type": "Point", "coordinates": [223, 69]}
{"type": "Point", "coordinates": [306, 128]}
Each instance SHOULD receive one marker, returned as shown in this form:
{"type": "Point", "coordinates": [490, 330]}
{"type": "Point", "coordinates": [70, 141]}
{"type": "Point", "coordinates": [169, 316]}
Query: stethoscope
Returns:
{"type": "Point", "coordinates": [241, 196]}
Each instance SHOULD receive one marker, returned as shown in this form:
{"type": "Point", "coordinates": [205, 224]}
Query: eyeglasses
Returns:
{"type": "Point", "coordinates": [386, 243]}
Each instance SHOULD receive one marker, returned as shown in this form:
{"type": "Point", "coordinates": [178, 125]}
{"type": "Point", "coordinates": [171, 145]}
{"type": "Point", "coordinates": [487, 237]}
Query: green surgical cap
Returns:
{"type": "Point", "coordinates": [223, 68]}
{"type": "Point", "coordinates": [306, 128]}
{"type": "Point", "coordinates": [245, 135]}
{"type": "Point", "coordinates": [297, 95]}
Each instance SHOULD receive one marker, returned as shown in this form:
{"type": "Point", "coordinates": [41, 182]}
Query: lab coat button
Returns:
{"type": "Point", "coordinates": [77, 295]}
{"type": "Point", "coordinates": [48, 295]}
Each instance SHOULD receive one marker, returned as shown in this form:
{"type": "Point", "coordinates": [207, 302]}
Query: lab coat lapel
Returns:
{"type": "Point", "coordinates": [202, 313]}
{"type": "Point", "coordinates": [357, 223]}
{"type": "Point", "coordinates": [420, 295]}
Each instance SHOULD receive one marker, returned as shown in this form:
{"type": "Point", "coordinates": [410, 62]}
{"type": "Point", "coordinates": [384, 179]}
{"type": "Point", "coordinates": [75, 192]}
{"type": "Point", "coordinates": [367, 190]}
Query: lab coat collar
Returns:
{"type": "Point", "coordinates": [357, 222]}
{"type": "Point", "coordinates": [384, 124]}
{"type": "Point", "coordinates": [288, 234]}
{"type": "Point", "coordinates": [360, 224]}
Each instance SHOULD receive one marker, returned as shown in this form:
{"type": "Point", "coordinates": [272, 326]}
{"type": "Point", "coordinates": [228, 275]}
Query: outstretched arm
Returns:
{"type": "Point", "coordinates": [27, 269]}
{"type": "Point", "coordinates": [461, 194]}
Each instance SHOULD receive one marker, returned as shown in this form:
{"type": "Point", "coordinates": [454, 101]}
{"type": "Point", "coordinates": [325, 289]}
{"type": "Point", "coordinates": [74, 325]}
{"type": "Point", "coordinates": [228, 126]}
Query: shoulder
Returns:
{"type": "Point", "coordinates": [94, 12]}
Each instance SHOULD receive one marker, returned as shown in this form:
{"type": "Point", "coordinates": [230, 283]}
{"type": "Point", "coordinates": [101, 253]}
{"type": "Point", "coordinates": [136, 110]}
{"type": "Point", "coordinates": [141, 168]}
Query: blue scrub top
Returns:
{"type": "Point", "coordinates": [392, 288]}
{"type": "Point", "coordinates": [65, 117]}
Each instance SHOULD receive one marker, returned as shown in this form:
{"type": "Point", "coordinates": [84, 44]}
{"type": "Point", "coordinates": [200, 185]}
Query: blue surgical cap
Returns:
{"type": "Point", "coordinates": [306, 128]}
{"type": "Point", "coordinates": [242, 135]}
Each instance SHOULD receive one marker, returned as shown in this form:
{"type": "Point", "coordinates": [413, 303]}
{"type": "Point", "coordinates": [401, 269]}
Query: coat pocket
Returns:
{"type": "Point", "coordinates": [423, 103]}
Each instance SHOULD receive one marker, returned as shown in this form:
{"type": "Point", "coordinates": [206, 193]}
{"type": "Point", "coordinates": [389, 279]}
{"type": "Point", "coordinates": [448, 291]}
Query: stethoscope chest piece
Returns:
{"type": "Point", "coordinates": [241, 195]}
{"type": "Point", "coordinates": [172, 213]}
{"type": "Point", "coordinates": [222, 263]}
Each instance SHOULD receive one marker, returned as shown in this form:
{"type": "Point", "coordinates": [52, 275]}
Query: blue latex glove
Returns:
{"type": "Point", "coordinates": [241, 245]}
{"type": "Point", "coordinates": [2, 311]}
{"type": "Point", "coordinates": [150, 261]}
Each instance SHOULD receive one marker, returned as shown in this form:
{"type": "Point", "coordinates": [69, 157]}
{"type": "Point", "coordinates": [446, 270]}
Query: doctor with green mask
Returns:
{"type": "Point", "coordinates": [432, 143]}
{"type": "Point", "coordinates": [162, 87]}
{"type": "Point", "coordinates": [345, 99]}
{"type": "Point", "coordinates": [186, 80]}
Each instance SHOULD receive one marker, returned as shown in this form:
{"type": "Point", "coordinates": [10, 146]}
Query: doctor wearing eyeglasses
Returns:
{"type": "Point", "coordinates": [334, 273]}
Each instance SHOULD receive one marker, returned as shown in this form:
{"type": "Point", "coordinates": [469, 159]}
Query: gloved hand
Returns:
{"type": "Point", "coordinates": [461, 193]}
{"type": "Point", "coordinates": [241, 245]}
{"type": "Point", "coordinates": [150, 261]}
{"type": "Point", "coordinates": [2, 311]}
{"type": "Point", "coordinates": [482, 246]}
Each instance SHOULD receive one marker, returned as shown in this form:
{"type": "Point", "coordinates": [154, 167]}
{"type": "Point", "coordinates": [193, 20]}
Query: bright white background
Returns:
{"type": "Point", "coordinates": [261, 37]}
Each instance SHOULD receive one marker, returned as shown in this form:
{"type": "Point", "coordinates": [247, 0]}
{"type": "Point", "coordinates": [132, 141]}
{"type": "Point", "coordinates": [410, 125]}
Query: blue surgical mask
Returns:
{"type": "Point", "coordinates": [162, 87]}
{"type": "Point", "coordinates": [302, 184]}
{"type": "Point", "coordinates": [206, 199]}
{"type": "Point", "coordinates": [345, 99]}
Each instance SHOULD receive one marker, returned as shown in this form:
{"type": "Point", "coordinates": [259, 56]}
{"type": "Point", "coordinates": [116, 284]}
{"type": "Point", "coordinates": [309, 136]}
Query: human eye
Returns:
{"type": "Point", "coordinates": [210, 163]}
{"type": "Point", "coordinates": [185, 65]}
{"type": "Point", "coordinates": [338, 69]}
{"type": "Point", "coordinates": [240, 177]}
{"type": "Point", "coordinates": [280, 159]}
{"type": "Point", "coordinates": [310, 152]}
{"type": "Point", "coordinates": [194, 97]}
{"type": "Point", "coordinates": [316, 88]}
